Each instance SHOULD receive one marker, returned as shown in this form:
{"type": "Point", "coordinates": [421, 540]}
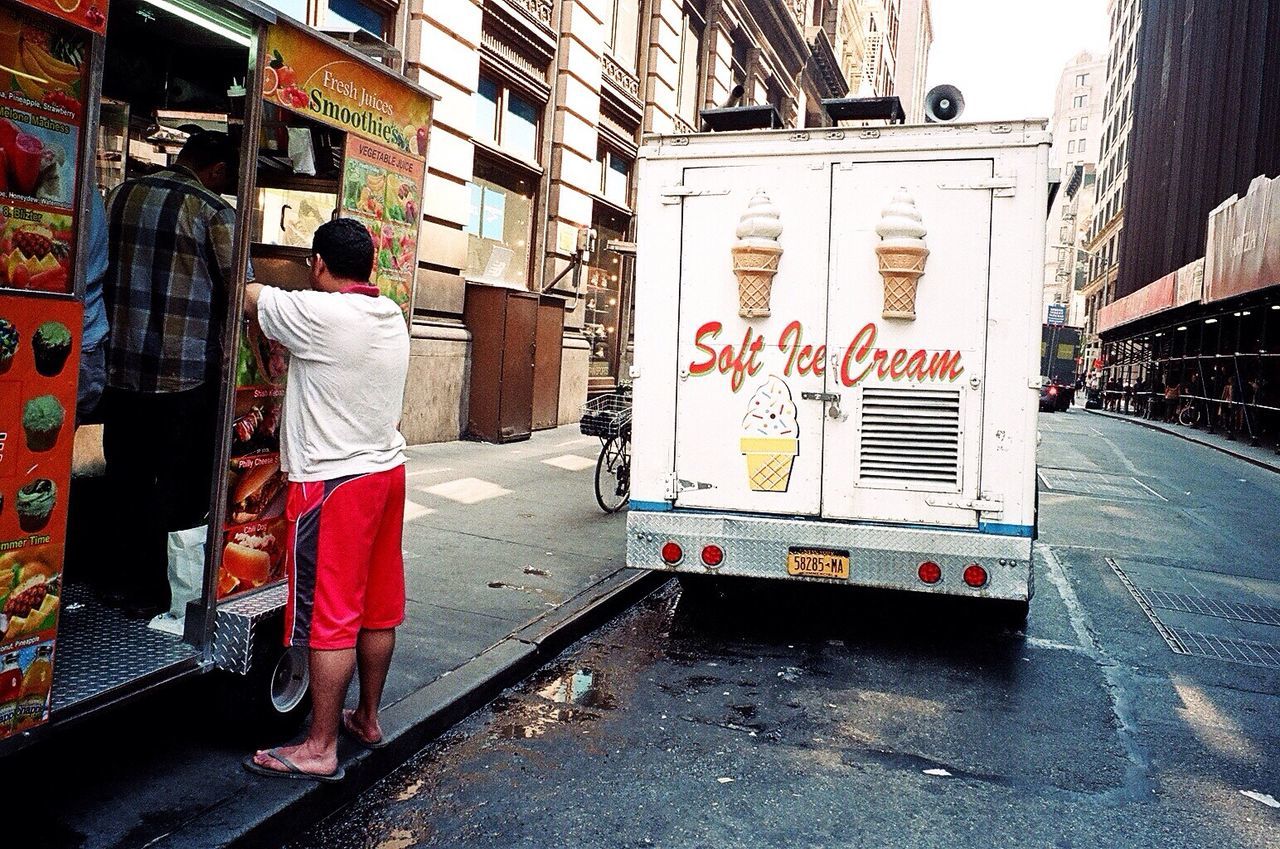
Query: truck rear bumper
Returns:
{"type": "Point", "coordinates": [879, 556]}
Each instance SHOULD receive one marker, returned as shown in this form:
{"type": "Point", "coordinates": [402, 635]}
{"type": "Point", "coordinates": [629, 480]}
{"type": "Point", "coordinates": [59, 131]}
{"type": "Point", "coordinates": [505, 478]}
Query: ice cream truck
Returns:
{"type": "Point", "coordinates": [836, 372]}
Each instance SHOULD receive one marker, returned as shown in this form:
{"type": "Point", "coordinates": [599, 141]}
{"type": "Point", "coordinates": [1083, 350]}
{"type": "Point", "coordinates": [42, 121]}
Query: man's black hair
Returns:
{"type": "Point", "coordinates": [346, 248]}
{"type": "Point", "coordinates": [207, 148]}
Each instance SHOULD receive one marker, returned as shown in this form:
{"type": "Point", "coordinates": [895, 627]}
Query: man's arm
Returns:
{"type": "Point", "coordinates": [252, 292]}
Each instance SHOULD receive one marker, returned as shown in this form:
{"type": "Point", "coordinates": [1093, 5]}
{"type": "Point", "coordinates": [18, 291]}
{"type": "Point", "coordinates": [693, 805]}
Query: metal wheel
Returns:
{"type": "Point", "coordinates": [613, 474]}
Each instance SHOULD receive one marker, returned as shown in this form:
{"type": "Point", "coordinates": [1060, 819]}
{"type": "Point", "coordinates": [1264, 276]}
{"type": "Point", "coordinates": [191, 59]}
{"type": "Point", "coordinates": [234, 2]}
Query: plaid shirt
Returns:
{"type": "Point", "coordinates": [165, 289]}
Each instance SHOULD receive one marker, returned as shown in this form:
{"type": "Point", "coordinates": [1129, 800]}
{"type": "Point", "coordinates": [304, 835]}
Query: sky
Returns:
{"type": "Point", "coordinates": [1005, 56]}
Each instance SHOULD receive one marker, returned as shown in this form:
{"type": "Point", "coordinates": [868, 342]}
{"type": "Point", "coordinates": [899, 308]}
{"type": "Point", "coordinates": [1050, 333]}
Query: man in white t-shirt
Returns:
{"type": "Point", "coordinates": [341, 447]}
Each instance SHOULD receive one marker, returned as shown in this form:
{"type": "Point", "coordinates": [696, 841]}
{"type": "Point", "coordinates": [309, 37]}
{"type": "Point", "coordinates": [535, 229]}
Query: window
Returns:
{"type": "Point", "coordinates": [605, 293]}
{"type": "Point", "coordinates": [357, 15]}
{"type": "Point", "coordinates": [1082, 79]}
{"type": "Point", "coordinates": [688, 78]}
{"type": "Point", "coordinates": [506, 119]}
{"type": "Point", "coordinates": [615, 176]}
{"type": "Point", "coordinates": [623, 32]}
{"type": "Point", "coordinates": [1080, 101]}
{"type": "Point", "coordinates": [500, 226]}
{"type": "Point", "coordinates": [1084, 123]}
{"type": "Point", "coordinates": [1071, 146]}
{"type": "Point", "coordinates": [1075, 124]}
{"type": "Point", "coordinates": [1080, 145]}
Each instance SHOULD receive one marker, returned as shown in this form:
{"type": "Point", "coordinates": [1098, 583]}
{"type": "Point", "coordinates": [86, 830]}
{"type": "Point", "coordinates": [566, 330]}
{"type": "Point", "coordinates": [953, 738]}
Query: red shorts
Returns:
{"type": "Point", "coordinates": [344, 558]}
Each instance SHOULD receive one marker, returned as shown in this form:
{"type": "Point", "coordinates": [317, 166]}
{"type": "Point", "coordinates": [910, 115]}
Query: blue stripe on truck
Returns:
{"type": "Point", "coordinates": [996, 529]}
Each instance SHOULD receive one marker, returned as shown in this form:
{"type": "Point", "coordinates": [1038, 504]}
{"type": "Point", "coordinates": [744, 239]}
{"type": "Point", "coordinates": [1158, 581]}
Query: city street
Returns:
{"type": "Point", "coordinates": [1140, 709]}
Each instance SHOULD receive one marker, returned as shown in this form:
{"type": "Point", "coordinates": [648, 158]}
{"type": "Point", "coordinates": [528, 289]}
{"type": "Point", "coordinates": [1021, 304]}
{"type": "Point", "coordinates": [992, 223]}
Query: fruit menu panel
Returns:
{"type": "Point", "coordinates": [90, 14]}
{"type": "Point", "coordinates": [43, 68]}
{"type": "Point", "coordinates": [382, 189]}
{"type": "Point", "coordinates": [39, 357]}
{"type": "Point", "coordinates": [254, 532]}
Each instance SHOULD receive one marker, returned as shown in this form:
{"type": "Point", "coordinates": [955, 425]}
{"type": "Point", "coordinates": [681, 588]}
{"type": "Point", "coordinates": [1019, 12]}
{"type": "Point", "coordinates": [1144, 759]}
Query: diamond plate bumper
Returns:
{"type": "Point", "coordinates": [880, 556]}
{"type": "Point", "coordinates": [239, 623]}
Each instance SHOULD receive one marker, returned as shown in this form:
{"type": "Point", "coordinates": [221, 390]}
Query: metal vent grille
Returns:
{"type": "Point", "coordinates": [910, 436]}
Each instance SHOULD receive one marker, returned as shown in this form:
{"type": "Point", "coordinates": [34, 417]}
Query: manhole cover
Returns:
{"type": "Point", "coordinates": [1098, 485]}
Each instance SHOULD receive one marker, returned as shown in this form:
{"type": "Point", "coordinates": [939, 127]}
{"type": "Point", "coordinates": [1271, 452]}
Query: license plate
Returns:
{"type": "Point", "coordinates": [818, 563]}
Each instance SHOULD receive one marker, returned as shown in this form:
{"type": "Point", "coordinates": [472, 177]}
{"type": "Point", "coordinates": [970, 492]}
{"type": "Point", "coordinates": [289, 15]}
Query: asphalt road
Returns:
{"type": "Point", "coordinates": [793, 716]}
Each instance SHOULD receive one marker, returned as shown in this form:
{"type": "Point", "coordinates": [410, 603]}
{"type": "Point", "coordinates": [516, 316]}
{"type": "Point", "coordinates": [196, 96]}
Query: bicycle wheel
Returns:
{"type": "Point", "coordinates": [1189, 416]}
{"type": "Point", "coordinates": [613, 474]}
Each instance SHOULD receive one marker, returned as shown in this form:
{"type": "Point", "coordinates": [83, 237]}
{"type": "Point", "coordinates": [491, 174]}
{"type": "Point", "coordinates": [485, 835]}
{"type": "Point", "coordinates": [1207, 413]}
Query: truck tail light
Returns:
{"type": "Point", "coordinates": [712, 555]}
{"type": "Point", "coordinates": [672, 553]}
{"type": "Point", "coordinates": [1053, 390]}
{"type": "Point", "coordinates": [930, 572]}
{"type": "Point", "coordinates": [975, 576]}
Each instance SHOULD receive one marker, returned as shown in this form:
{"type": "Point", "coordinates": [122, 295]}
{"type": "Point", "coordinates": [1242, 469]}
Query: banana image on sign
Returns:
{"type": "Point", "coordinates": [770, 437]}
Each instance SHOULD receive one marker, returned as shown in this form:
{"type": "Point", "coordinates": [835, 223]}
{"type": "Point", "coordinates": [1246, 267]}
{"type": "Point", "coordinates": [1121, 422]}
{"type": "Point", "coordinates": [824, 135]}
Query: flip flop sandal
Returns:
{"type": "Point", "coordinates": [351, 732]}
{"type": "Point", "coordinates": [291, 770]}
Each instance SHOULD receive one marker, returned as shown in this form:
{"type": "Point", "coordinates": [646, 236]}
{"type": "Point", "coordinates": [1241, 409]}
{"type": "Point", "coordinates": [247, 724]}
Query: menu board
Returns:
{"type": "Point", "coordinates": [254, 532]}
{"type": "Point", "coordinates": [42, 90]}
{"type": "Point", "coordinates": [382, 189]}
{"type": "Point", "coordinates": [39, 357]}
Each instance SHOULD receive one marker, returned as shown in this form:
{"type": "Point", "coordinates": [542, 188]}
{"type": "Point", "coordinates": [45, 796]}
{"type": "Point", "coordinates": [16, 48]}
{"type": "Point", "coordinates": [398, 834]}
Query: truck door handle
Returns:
{"type": "Point", "coordinates": [828, 397]}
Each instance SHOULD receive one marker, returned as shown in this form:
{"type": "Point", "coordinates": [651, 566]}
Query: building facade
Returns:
{"type": "Point", "coordinates": [535, 140]}
{"type": "Point", "coordinates": [913, 58]}
{"type": "Point", "coordinates": [1103, 240]}
{"type": "Point", "coordinates": [1076, 126]}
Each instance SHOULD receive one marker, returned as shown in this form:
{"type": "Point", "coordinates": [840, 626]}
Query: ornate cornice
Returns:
{"type": "Point", "coordinates": [538, 10]}
{"type": "Point", "coordinates": [623, 80]}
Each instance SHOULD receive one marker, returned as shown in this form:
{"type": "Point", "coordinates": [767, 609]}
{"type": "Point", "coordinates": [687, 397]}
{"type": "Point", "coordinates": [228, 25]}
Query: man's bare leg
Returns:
{"type": "Point", "coordinates": [374, 649]}
{"type": "Point", "coordinates": [331, 671]}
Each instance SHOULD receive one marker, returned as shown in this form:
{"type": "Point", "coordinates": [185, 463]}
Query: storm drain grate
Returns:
{"type": "Point", "coordinates": [1213, 607]}
{"type": "Point", "coordinates": [1098, 485]}
{"type": "Point", "coordinates": [1228, 648]}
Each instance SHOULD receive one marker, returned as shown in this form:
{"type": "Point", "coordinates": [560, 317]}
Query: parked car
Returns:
{"type": "Point", "coordinates": [1054, 397]}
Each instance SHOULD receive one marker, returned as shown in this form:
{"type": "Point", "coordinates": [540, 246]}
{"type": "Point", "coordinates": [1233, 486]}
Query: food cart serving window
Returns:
{"type": "Point", "coordinates": [249, 131]}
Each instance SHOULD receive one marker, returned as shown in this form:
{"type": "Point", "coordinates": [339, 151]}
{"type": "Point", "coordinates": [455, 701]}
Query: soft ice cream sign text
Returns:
{"type": "Point", "coordinates": [861, 360]}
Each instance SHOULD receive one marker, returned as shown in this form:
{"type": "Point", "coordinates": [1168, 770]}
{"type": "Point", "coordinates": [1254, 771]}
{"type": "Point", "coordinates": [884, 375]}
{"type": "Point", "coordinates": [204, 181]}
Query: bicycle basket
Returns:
{"type": "Point", "coordinates": [607, 415]}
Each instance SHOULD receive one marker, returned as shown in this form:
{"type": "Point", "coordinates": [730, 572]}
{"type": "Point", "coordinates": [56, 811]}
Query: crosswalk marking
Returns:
{"type": "Point", "coordinates": [466, 490]}
{"type": "Point", "coordinates": [570, 462]}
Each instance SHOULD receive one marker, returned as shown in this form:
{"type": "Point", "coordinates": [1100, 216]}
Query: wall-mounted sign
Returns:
{"type": "Point", "coordinates": [311, 77]}
{"type": "Point", "coordinates": [1057, 314]}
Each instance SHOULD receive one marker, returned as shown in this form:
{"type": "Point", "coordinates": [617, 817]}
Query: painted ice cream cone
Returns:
{"type": "Point", "coordinates": [756, 255]}
{"type": "Point", "coordinates": [770, 437]}
{"type": "Point", "coordinates": [902, 254]}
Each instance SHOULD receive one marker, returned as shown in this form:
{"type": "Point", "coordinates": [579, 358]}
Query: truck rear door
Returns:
{"type": "Point", "coordinates": [902, 443]}
{"type": "Point", "coordinates": [745, 437]}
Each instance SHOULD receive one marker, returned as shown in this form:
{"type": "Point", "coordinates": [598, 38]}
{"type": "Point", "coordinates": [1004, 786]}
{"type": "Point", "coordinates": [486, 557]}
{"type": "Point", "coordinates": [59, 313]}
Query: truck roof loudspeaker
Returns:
{"type": "Point", "coordinates": [943, 104]}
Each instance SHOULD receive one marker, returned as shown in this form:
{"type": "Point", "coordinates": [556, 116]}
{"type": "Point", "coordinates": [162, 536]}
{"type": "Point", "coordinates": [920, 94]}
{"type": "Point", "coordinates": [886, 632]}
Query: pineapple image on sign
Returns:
{"type": "Point", "coordinates": [770, 437]}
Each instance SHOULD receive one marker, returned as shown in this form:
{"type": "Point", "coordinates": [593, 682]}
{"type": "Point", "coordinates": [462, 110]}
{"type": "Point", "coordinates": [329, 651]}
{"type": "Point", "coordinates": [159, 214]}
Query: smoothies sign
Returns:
{"type": "Point", "coordinates": [381, 188]}
{"type": "Point", "coordinates": [306, 75]}
{"type": "Point", "coordinates": [42, 79]}
{"type": "Point", "coordinates": [39, 342]}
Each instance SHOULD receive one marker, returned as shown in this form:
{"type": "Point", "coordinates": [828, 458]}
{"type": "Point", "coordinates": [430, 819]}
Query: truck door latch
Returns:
{"type": "Point", "coordinates": [673, 194]}
{"type": "Point", "coordinates": [982, 505]}
{"type": "Point", "coordinates": [677, 485]}
{"type": "Point", "coordinates": [829, 397]}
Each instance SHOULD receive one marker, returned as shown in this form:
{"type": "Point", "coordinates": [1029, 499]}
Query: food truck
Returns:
{"type": "Point", "coordinates": [836, 373]}
{"type": "Point", "coordinates": [93, 93]}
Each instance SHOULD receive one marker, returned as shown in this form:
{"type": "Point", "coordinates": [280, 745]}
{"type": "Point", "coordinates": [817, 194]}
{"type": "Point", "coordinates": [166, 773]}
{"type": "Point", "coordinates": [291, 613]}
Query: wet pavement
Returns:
{"type": "Point", "coordinates": [796, 716]}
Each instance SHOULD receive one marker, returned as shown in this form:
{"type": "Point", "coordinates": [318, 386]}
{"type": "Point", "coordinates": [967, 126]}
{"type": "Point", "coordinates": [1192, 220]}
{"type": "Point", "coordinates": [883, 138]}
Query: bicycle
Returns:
{"type": "Point", "coordinates": [609, 418]}
{"type": "Point", "coordinates": [1189, 413]}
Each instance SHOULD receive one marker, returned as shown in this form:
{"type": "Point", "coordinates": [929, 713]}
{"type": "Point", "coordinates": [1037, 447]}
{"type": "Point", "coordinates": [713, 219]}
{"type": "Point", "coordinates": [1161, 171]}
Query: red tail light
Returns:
{"type": "Point", "coordinates": [1053, 390]}
{"type": "Point", "coordinates": [712, 555]}
{"type": "Point", "coordinates": [975, 576]}
{"type": "Point", "coordinates": [672, 553]}
{"type": "Point", "coordinates": [930, 572]}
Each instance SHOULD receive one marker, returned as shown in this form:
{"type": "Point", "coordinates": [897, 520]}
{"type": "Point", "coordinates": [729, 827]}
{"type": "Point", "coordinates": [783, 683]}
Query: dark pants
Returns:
{"type": "Point", "coordinates": [159, 451]}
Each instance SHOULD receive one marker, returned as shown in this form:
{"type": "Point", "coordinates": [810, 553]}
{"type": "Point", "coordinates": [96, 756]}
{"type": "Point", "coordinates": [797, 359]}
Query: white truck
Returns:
{"type": "Point", "coordinates": [836, 374]}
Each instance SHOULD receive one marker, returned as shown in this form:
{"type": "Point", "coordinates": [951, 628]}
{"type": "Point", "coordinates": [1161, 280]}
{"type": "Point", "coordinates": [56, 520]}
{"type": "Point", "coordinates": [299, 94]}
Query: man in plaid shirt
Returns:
{"type": "Point", "coordinates": [166, 289]}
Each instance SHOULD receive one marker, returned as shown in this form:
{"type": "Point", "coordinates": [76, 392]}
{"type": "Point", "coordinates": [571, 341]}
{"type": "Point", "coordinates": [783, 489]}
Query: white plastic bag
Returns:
{"type": "Point", "coordinates": [186, 577]}
{"type": "Point", "coordinates": [301, 151]}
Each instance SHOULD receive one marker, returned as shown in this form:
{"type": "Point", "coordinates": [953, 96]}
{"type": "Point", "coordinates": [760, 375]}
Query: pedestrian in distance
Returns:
{"type": "Point", "coordinates": [344, 455]}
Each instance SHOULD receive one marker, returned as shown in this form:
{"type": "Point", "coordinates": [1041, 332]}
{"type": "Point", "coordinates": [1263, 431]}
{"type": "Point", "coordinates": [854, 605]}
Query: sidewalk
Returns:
{"type": "Point", "coordinates": [508, 559]}
{"type": "Point", "coordinates": [1240, 447]}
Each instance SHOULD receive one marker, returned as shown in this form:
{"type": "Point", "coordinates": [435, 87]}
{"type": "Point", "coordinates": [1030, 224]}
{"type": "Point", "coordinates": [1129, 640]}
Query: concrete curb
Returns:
{"type": "Point", "coordinates": [1189, 436]}
{"type": "Point", "coordinates": [279, 810]}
